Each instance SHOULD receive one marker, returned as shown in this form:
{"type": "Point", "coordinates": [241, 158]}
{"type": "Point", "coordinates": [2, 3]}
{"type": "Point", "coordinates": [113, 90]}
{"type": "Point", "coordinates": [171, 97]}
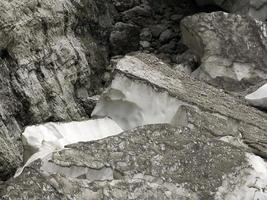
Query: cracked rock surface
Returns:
{"type": "Point", "coordinates": [153, 161]}
{"type": "Point", "coordinates": [47, 57]}
{"type": "Point", "coordinates": [232, 49]}
{"type": "Point", "coordinates": [155, 132]}
{"type": "Point", "coordinates": [194, 104]}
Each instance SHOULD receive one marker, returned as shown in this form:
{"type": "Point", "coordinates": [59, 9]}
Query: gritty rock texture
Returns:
{"type": "Point", "coordinates": [155, 161]}
{"type": "Point", "coordinates": [254, 8]}
{"type": "Point", "coordinates": [199, 105]}
{"type": "Point", "coordinates": [54, 56]}
{"type": "Point", "coordinates": [48, 56]}
{"type": "Point", "coordinates": [232, 49]}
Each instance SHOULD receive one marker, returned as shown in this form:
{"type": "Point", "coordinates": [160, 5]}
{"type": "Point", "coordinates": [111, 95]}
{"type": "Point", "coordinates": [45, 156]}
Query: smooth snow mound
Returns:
{"type": "Point", "coordinates": [250, 184]}
{"type": "Point", "coordinates": [259, 97]}
{"type": "Point", "coordinates": [41, 140]}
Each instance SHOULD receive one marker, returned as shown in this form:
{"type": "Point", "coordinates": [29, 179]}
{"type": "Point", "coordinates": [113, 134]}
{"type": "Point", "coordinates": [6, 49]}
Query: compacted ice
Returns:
{"type": "Point", "coordinates": [41, 140]}
{"type": "Point", "coordinates": [132, 103]}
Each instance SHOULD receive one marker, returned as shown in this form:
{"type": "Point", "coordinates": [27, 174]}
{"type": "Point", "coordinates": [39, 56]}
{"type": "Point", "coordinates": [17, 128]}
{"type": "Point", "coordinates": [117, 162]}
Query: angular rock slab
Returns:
{"type": "Point", "coordinates": [232, 49]}
{"type": "Point", "coordinates": [253, 8]}
{"type": "Point", "coordinates": [144, 90]}
{"type": "Point", "coordinates": [154, 161]}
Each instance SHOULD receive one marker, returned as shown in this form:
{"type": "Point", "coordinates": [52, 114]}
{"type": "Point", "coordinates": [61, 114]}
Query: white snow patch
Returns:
{"type": "Point", "coordinates": [41, 140]}
{"type": "Point", "coordinates": [259, 97]}
{"type": "Point", "coordinates": [132, 103]}
{"type": "Point", "coordinates": [250, 184]}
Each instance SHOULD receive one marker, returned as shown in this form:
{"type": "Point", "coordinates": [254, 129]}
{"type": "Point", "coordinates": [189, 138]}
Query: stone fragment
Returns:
{"type": "Point", "coordinates": [166, 36]}
{"type": "Point", "coordinates": [157, 29]}
{"type": "Point", "coordinates": [146, 35]}
{"type": "Point", "coordinates": [231, 49]}
{"type": "Point", "coordinates": [145, 44]}
{"type": "Point", "coordinates": [124, 38]}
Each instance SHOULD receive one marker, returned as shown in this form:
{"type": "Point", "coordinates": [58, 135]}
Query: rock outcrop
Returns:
{"type": "Point", "coordinates": [232, 49]}
{"type": "Point", "coordinates": [150, 162]}
{"type": "Point", "coordinates": [54, 56]}
{"type": "Point", "coordinates": [169, 96]}
{"type": "Point", "coordinates": [51, 55]}
{"type": "Point", "coordinates": [253, 8]}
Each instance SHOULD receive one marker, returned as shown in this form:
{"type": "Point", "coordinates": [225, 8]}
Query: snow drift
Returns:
{"type": "Point", "coordinates": [41, 140]}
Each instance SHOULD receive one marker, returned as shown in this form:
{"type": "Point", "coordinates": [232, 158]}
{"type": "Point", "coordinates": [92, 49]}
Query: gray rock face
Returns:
{"type": "Point", "coordinates": [232, 49]}
{"type": "Point", "coordinates": [155, 161]}
{"type": "Point", "coordinates": [48, 56]}
{"type": "Point", "coordinates": [171, 97]}
{"type": "Point", "coordinates": [254, 8]}
{"type": "Point", "coordinates": [124, 38]}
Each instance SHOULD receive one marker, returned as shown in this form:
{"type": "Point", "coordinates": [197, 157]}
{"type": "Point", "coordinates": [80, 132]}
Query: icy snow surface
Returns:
{"type": "Point", "coordinates": [132, 103]}
{"type": "Point", "coordinates": [41, 140]}
{"type": "Point", "coordinates": [259, 97]}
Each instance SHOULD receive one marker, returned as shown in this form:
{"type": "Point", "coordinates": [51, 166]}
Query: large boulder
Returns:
{"type": "Point", "coordinates": [150, 162]}
{"type": "Point", "coordinates": [144, 90]}
{"type": "Point", "coordinates": [254, 8]}
{"type": "Point", "coordinates": [48, 54]}
{"type": "Point", "coordinates": [231, 49]}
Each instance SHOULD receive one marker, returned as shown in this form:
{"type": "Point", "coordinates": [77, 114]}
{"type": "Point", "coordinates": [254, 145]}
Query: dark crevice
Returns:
{"type": "Point", "coordinates": [4, 54]}
{"type": "Point", "coordinates": [210, 8]}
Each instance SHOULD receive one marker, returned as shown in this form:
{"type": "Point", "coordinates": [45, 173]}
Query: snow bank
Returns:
{"type": "Point", "coordinates": [41, 140]}
{"type": "Point", "coordinates": [132, 103]}
{"type": "Point", "coordinates": [259, 97]}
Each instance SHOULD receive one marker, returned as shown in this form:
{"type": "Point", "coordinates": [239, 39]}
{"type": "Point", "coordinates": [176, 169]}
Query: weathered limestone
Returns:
{"type": "Point", "coordinates": [154, 161]}
{"type": "Point", "coordinates": [253, 8]}
{"type": "Point", "coordinates": [232, 49]}
{"type": "Point", "coordinates": [192, 103]}
{"type": "Point", "coordinates": [48, 54]}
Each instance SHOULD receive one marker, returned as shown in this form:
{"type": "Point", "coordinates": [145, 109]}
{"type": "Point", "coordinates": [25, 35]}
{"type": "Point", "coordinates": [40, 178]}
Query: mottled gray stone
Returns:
{"type": "Point", "coordinates": [154, 161]}
{"type": "Point", "coordinates": [232, 49]}
{"type": "Point", "coordinates": [49, 53]}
